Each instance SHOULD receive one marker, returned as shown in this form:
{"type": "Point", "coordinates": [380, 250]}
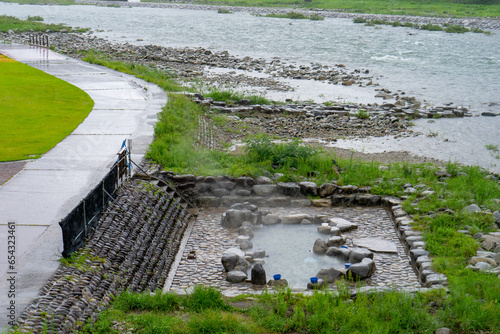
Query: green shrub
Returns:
{"type": "Point", "coordinates": [316, 17]}
{"type": "Point", "coordinates": [359, 20]}
{"type": "Point", "coordinates": [291, 154]}
{"type": "Point", "coordinates": [35, 18]}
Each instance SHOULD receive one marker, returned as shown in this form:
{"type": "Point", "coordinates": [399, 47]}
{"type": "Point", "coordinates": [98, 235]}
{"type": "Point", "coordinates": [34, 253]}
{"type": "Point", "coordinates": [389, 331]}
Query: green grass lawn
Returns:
{"type": "Point", "coordinates": [36, 110]}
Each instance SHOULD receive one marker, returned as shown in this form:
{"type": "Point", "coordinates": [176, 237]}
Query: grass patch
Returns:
{"type": "Point", "coordinates": [297, 16]}
{"type": "Point", "coordinates": [37, 111]}
{"type": "Point", "coordinates": [449, 28]}
{"type": "Point", "coordinates": [231, 97]}
{"type": "Point", "coordinates": [162, 79]}
{"type": "Point", "coordinates": [224, 11]}
{"type": "Point", "coordinates": [32, 23]}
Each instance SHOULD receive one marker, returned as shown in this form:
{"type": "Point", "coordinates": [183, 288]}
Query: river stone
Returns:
{"type": "Point", "coordinates": [335, 231]}
{"type": "Point", "coordinates": [316, 286]}
{"type": "Point", "coordinates": [476, 259]}
{"type": "Point", "coordinates": [244, 206]}
{"type": "Point", "coordinates": [335, 241]}
{"type": "Point", "coordinates": [363, 269]}
{"type": "Point", "coordinates": [246, 230]}
{"type": "Point", "coordinates": [263, 180]}
{"type": "Point", "coordinates": [278, 201]}
{"type": "Point", "coordinates": [327, 189]}
{"type": "Point", "coordinates": [482, 266]}
{"type": "Point", "coordinates": [358, 254]}
{"type": "Point", "coordinates": [330, 274]}
{"type": "Point", "coordinates": [259, 253]}
{"type": "Point", "coordinates": [231, 257]}
{"type": "Point", "coordinates": [246, 244]}
{"type": "Point", "coordinates": [264, 189]}
{"type": "Point", "coordinates": [416, 253]}
{"type": "Point", "coordinates": [434, 279]}
{"type": "Point", "coordinates": [320, 246]}
{"type": "Point", "coordinates": [308, 188]}
{"type": "Point", "coordinates": [306, 222]}
{"type": "Point", "coordinates": [341, 253]}
{"type": "Point", "coordinates": [322, 202]}
{"type": "Point", "coordinates": [294, 219]}
{"type": "Point", "coordinates": [258, 275]}
{"type": "Point", "coordinates": [472, 208]}
{"type": "Point", "coordinates": [300, 202]}
{"type": "Point", "coordinates": [271, 219]}
{"type": "Point", "coordinates": [490, 241]}
{"type": "Point", "coordinates": [343, 224]}
{"type": "Point", "coordinates": [376, 245]}
{"type": "Point", "coordinates": [188, 178]}
{"type": "Point", "coordinates": [236, 276]}
{"type": "Point", "coordinates": [324, 229]}
{"type": "Point", "coordinates": [220, 192]}
{"type": "Point", "coordinates": [245, 181]}
{"type": "Point", "coordinates": [288, 189]}
{"type": "Point", "coordinates": [243, 192]}
{"type": "Point", "coordinates": [234, 218]}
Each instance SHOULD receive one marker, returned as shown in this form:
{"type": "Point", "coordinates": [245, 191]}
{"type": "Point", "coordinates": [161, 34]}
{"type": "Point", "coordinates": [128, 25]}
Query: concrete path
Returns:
{"type": "Point", "coordinates": [47, 189]}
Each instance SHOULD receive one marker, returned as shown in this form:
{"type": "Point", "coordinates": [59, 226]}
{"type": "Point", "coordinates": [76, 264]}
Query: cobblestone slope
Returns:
{"type": "Point", "coordinates": [132, 249]}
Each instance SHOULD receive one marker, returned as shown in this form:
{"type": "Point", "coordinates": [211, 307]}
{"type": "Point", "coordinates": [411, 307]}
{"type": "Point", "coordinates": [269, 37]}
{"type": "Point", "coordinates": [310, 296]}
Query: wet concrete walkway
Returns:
{"type": "Point", "coordinates": [47, 189]}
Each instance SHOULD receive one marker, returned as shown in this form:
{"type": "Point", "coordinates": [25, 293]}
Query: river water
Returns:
{"type": "Point", "coordinates": [435, 67]}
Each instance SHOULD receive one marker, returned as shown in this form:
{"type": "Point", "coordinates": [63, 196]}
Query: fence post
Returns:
{"type": "Point", "coordinates": [84, 219]}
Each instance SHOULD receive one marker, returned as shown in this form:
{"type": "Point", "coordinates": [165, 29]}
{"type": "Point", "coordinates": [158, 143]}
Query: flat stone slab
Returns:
{"type": "Point", "coordinates": [376, 245]}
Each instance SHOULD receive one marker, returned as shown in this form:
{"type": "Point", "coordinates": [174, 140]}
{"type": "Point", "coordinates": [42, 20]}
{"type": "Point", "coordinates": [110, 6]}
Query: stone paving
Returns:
{"type": "Point", "coordinates": [209, 240]}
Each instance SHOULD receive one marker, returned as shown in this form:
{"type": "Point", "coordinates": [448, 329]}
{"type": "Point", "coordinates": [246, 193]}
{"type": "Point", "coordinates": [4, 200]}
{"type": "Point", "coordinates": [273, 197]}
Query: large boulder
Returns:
{"type": "Point", "coordinates": [271, 219]}
{"type": "Point", "coordinates": [335, 241]}
{"type": "Point", "coordinates": [341, 253]}
{"type": "Point", "coordinates": [327, 189]}
{"type": "Point", "coordinates": [234, 259]}
{"type": "Point", "coordinates": [362, 270]}
{"type": "Point", "coordinates": [358, 254]}
{"type": "Point", "coordinates": [330, 274]}
{"type": "Point", "coordinates": [233, 218]}
{"type": "Point", "coordinates": [342, 224]}
{"type": "Point", "coordinates": [258, 275]}
{"type": "Point", "coordinates": [264, 189]}
{"type": "Point", "coordinates": [246, 230]}
{"type": "Point", "coordinates": [309, 188]}
{"type": "Point", "coordinates": [244, 206]}
{"type": "Point", "coordinates": [289, 189]}
{"type": "Point", "coordinates": [320, 246]}
{"type": "Point", "coordinates": [294, 219]}
{"type": "Point", "coordinates": [236, 276]}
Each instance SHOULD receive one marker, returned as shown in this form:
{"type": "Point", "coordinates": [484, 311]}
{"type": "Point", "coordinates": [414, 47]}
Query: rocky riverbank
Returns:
{"type": "Point", "coordinates": [480, 23]}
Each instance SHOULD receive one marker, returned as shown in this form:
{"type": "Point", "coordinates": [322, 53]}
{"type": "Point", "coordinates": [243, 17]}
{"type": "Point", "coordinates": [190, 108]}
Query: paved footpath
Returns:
{"type": "Point", "coordinates": [47, 189]}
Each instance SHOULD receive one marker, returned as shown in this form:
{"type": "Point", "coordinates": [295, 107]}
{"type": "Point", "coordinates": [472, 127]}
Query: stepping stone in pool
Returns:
{"type": "Point", "coordinates": [376, 245]}
{"type": "Point", "coordinates": [294, 219]}
{"type": "Point", "coordinates": [343, 224]}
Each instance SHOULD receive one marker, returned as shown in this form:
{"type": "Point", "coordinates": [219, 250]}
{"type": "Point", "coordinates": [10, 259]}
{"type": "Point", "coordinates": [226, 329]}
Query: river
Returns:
{"type": "Point", "coordinates": [436, 67]}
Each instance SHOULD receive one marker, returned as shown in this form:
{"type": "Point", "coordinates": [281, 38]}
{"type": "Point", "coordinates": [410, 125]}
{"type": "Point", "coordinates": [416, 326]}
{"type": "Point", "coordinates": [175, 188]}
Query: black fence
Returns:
{"type": "Point", "coordinates": [39, 39]}
{"type": "Point", "coordinates": [80, 223]}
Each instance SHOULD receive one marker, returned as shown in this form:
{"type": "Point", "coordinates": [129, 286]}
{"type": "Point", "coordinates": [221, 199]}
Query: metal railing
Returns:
{"type": "Point", "coordinates": [80, 223]}
{"type": "Point", "coordinates": [39, 39]}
